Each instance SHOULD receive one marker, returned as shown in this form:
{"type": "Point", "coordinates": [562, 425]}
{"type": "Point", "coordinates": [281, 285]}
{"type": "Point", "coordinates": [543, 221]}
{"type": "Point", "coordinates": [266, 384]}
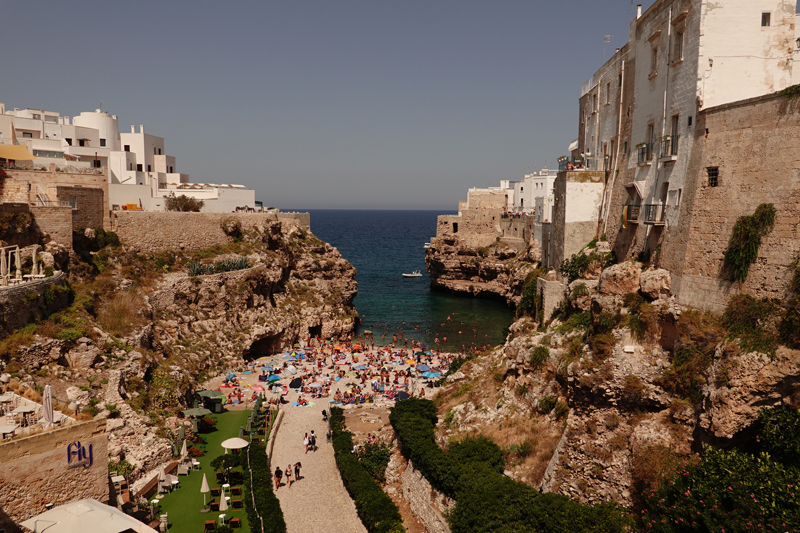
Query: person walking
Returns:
{"type": "Point", "coordinates": [306, 442]}
{"type": "Point", "coordinates": [278, 476]}
{"type": "Point", "coordinates": [312, 441]}
{"type": "Point", "coordinates": [297, 467]}
{"type": "Point", "coordinates": [288, 474]}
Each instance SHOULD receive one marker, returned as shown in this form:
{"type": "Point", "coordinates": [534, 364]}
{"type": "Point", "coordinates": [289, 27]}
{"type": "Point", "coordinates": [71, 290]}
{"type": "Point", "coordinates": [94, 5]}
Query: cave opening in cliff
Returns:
{"type": "Point", "coordinates": [315, 331]}
{"type": "Point", "coordinates": [266, 345]}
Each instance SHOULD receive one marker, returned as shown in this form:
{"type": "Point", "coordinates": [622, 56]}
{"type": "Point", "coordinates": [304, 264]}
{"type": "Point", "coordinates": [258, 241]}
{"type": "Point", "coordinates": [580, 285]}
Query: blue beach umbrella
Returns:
{"type": "Point", "coordinates": [360, 367]}
{"type": "Point", "coordinates": [267, 368]}
{"type": "Point", "coordinates": [423, 368]}
{"type": "Point", "coordinates": [274, 377]}
{"type": "Point", "coordinates": [431, 374]}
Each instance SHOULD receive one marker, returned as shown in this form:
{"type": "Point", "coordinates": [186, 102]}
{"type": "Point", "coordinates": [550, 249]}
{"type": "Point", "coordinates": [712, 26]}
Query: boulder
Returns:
{"type": "Point", "coordinates": [75, 394]}
{"type": "Point", "coordinates": [89, 233]}
{"type": "Point", "coordinates": [656, 283]}
{"type": "Point", "coordinates": [84, 354]}
{"type": "Point", "coordinates": [620, 279]}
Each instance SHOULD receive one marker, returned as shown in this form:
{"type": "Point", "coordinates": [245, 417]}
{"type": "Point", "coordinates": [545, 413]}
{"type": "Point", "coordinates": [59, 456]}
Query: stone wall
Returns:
{"type": "Point", "coordinates": [20, 304]}
{"type": "Point", "coordinates": [90, 206]}
{"type": "Point", "coordinates": [578, 197]}
{"type": "Point", "coordinates": [155, 231]}
{"type": "Point", "coordinates": [753, 143]}
{"type": "Point", "coordinates": [25, 182]}
{"type": "Point", "coordinates": [56, 222]}
{"type": "Point", "coordinates": [551, 294]}
{"type": "Point", "coordinates": [34, 471]}
{"type": "Point", "coordinates": [428, 504]}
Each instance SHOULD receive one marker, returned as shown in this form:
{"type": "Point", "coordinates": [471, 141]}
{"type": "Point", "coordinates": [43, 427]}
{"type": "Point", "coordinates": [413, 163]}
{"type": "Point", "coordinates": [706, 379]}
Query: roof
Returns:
{"type": "Point", "coordinates": [85, 516]}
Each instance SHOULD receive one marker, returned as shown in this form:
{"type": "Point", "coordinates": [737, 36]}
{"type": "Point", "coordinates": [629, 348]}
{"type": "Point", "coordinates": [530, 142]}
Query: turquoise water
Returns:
{"type": "Point", "coordinates": [382, 245]}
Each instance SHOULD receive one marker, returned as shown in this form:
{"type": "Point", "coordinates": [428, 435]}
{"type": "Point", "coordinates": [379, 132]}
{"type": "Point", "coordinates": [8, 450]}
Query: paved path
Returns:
{"type": "Point", "coordinates": [319, 501]}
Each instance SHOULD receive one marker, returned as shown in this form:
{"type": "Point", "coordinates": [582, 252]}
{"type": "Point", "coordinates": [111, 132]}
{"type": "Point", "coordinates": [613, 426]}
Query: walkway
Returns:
{"type": "Point", "coordinates": [319, 501]}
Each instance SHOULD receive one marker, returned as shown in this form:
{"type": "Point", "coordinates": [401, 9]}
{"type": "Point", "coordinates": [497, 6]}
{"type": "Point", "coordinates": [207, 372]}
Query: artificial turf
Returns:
{"type": "Point", "coordinates": [184, 504]}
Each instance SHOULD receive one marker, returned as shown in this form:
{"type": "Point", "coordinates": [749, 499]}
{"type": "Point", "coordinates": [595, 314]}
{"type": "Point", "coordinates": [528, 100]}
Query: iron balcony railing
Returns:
{"type": "Point", "coordinates": [632, 213]}
{"type": "Point", "coordinates": [669, 146]}
{"type": "Point", "coordinates": [655, 214]}
{"type": "Point", "coordinates": [645, 153]}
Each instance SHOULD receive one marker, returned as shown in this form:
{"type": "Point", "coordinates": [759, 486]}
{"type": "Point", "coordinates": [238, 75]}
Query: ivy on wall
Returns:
{"type": "Point", "coordinates": [745, 240]}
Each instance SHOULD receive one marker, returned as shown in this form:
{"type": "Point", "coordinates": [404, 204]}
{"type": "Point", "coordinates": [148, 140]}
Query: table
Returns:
{"type": "Point", "coordinates": [175, 483]}
{"type": "Point", "coordinates": [226, 488]}
{"type": "Point", "coordinates": [195, 464]}
{"type": "Point", "coordinates": [222, 518]}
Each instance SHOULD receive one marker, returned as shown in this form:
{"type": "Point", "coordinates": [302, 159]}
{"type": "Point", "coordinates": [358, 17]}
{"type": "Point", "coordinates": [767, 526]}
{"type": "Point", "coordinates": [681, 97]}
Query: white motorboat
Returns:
{"type": "Point", "coordinates": [426, 245]}
{"type": "Point", "coordinates": [415, 274]}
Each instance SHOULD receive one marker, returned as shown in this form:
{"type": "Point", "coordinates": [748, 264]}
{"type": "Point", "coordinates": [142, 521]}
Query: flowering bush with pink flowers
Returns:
{"type": "Point", "coordinates": [725, 491]}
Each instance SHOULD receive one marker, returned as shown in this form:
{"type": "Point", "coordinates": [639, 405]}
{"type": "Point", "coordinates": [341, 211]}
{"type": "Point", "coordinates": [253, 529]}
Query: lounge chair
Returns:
{"type": "Point", "coordinates": [235, 522]}
{"type": "Point", "coordinates": [210, 525]}
{"type": "Point", "coordinates": [183, 470]}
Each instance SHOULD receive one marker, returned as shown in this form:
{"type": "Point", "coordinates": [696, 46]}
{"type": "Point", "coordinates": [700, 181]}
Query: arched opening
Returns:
{"type": "Point", "coordinates": [267, 345]}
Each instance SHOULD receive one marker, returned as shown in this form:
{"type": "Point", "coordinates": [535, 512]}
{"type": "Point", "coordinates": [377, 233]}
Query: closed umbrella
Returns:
{"type": "Point", "coordinates": [184, 451]}
{"type": "Point", "coordinates": [204, 488]}
{"type": "Point", "coordinates": [223, 503]}
{"type": "Point", "coordinates": [48, 407]}
{"type": "Point", "coordinates": [241, 432]}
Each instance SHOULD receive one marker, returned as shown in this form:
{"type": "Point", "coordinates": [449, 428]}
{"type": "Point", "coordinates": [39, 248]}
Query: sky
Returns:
{"type": "Point", "coordinates": [343, 104]}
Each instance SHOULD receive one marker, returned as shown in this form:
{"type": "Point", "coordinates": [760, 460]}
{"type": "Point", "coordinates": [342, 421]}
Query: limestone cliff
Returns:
{"type": "Point", "coordinates": [495, 271]}
{"type": "Point", "coordinates": [146, 328]}
{"type": "Point", "coordinates": [584, 405]}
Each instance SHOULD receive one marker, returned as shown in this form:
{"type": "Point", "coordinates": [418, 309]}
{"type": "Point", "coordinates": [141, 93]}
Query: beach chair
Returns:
{"type": "Point", "coordinates": [235, 522]}
{"type": "Point", "coordinates": [214, 507]}
{"type": "Point", "coordinates": [215, 492]}
{"type": "Point", "coordinates": [209, 525]}
{"type": "Point", "coordinates": [236, 491]}
{"type": "Point", "coordinates": [236, 504]}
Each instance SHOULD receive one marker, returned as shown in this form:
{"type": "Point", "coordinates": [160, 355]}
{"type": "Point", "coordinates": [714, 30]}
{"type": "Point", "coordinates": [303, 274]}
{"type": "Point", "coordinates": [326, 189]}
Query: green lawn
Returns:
{"type": "Point", "coordinates": [185, 503]}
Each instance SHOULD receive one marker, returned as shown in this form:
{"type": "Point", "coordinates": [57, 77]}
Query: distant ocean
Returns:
{"type": "Point", "coordinates": [382, 245]}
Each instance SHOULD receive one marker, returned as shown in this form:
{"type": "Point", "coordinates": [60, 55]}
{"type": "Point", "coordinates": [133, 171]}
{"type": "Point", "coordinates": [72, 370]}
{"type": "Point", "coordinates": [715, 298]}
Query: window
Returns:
{"type": "Point", "coordinates": [37, 116]}
{"type": "Point", "coordinates": [654, 62]}
{"type": "Point", "coordinates": [713, 176]}
{"type": "Point", "coordinates": [81, 142]}
{"type": "Point", "coordinates": [159, 151]}
{"type": "Point", "coordinates": [154, 150]}
{"type": "Point", "coordinates": [594, 102]}
{"type": "Point", "coordinates": [690, 121]}
{"type": "Point", "coordinates": [675, 121]}
{"type": "Point", "coordinates": [96, 163]}
{"type": "Point", "coordinates": [27, 135]}
{"type": "Point", "coordinates": [625, 149]}
{"type": "Point", "coordinates": [608, 93]}
{"type": "Point", "coordinates": [619, 83]}
{"type": "Point", "coordinates": [651, 133]}
{"type": "Point", "coordinates": [679, 46]}
{"type": "Point", "coordinates": [765, 19]}
{"type": "Point", "coordinates": [127, 147]}
{"type": "Point", "coordinates": [102, 142]}
{"type": "Point", "coordinates": [51, 118]}
{"type": "Point", "coordinates": [69, 141]}
{"type": "Point", "coordinates": [149, 168]}
{"type": "Point", "coordinates": [455, 227]}
{"type": "Point", "coordinates": [139, 167]}
{"type": "Point", "coordinates": [521, 189]}
{"type": "Point", "coordinates": [47, 153]}
{"type": "Point", "coordinates": [170, 170]}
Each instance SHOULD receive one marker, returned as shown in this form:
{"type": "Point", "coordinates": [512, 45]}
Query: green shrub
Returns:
{"type": "Point", "coordinates": [539, 357]}
{"type": "Point", "coordinates": [106, 238]}
{"type": "Point", "coordinates": [725, 491]}
{"type": "Point", "coordinates": [183, 203]}
{"type": "Point", "coordinates": [547, 404]}
{"type": "Point", "coordinates": [486, 500]}
{"type": "Point", "coordinates": [577, 321]}
{"type": "Point", "coordinates": [375, 458]}
{"type": "Point", "coordinates": [745, 240]}
{"type": "Point", "coordinates": [528, 302]}
{"type": "Point", "coordinates": [561, 409]}
{"type": "Point", "coordinates": [777, 432]}
{"type": "Point", "coordinates": [376, 510]}
{"type": "Point", "coordinates": [260, 490]}
{"type": "Point", "coordinates": [749, 319]}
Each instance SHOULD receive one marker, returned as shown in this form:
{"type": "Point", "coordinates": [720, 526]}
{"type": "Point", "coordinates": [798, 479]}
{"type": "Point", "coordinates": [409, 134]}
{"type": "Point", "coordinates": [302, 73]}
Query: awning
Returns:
{"type": "Point", "coordinates": [573, 146]}
{"type": "Point", "coordinates": [16, 152]}
{"type": "Point", "coordinates": [636, 186]}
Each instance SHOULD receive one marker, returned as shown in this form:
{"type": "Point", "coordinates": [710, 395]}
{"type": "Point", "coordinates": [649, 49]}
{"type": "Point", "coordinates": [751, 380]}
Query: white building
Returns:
{"type": "Point", "coordinates": [141, 174]}
{"type": "Point", "coordinates": [532, 192]}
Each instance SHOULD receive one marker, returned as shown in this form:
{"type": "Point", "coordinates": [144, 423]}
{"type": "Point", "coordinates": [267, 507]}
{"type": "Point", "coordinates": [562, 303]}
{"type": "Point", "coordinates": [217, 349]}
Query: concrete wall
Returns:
{"type": "Point", "coordinates": [154, 231]}
{"type": "Point", "coordinates": [578, 197]}
{"type": "Point", "coordinates": [34, 471]}
{"type": "Point", "coordinates": [754, 145]}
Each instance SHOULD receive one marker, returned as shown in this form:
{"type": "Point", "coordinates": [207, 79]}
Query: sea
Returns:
{"type": "Point", "coordinates": [382, 245]}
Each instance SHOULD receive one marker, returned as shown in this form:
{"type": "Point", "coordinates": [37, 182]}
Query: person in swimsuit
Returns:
{"type": "Point", "coordinates": [288, 474]}
{"type": "Point", "coordinates": [278, 476]}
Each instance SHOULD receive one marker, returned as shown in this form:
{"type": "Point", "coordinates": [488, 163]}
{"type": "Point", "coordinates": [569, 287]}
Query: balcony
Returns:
{"type": "Point", "coordinates": [655, 214]}
{"type": "Point", "coordinates": [632, 213]}
{"type": "Point", "coordinates": [669, 148]}
{"type": "Point", "coordinates": [645, 152]}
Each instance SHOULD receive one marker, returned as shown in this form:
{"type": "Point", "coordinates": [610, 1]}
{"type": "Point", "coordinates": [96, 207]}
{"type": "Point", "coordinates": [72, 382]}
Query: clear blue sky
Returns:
{"type": "Point", "coordinates": [330, 103]}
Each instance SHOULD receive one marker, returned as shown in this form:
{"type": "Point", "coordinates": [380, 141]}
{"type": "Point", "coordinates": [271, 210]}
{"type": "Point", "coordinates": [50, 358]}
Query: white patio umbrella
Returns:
{"type": "Point", "coordinates": [223, 503]}
{"type": "Point", "coordinates": [3, 265]}
{"type": "Point", "coordinates": [184, 451]}
{"type": "Point", "coordinates": [204, 488]}
{"type": "Point", "coordinates": [47, 407]}
{"type": "Point", "coordinates": [234, 443]}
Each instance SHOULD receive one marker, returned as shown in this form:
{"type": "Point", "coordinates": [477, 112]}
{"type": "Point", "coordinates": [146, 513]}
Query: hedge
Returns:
{"type": "Point", "coordinates": [266, 502]}
{"type": "Point", "coordinates": [471, 473]}
{"type": "Point", "coordinates": [377, 511]}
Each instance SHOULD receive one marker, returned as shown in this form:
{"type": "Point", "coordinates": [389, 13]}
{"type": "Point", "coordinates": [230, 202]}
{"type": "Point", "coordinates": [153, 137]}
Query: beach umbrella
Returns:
{"type": "Point", "coordinates": [316, 385]}
{"type": "Point", "coordinates": [249, 424]}
{"type": "Point", "coordinates": [423, 368]}
{"type": "Point", "coordinates": [194, 426]}
{"type": "Point", "coordinates": [3, 267]}
{"type": "Point", "coordinates": [360, 367]}
{"type": "Point", "coordinates": [234, 443]}
{"type": "Point", "coordinates": [210, 394]}
{"type": "Point", "coordinates": [241, 432]}
{"type": "Point", "coordinates": [204, 488]}
{"type": "Point", "coordinates": [296, 383]}
{"type": "Point", "coordinates": [431, 375]}
{"type": "Point", "coordinates": [162, 476]}
{"type": "Point", "coordinates": [47, 407]}
{"type": "Point", "coordinates": [402, 395]}
{"type": "Point", "coordinates": [184, 451]}
{"type": "Point", "coordinates": [291, 370]}
{"type": "Point", "coordinates": [223, 503]}
{"type": "Point", "coordinates": [274, 377]}
{"type": "Point", "coordinates": [181, 432]}
{"type": "Point", "coordinates": [197, 411]}
{"type": "Point", "coordinates": [23, 409]}
{"type": "Point", "coordinates": [267, 368]}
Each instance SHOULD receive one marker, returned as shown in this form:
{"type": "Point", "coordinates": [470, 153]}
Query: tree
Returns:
{"type": "Point", "coordinates": [183, 203]}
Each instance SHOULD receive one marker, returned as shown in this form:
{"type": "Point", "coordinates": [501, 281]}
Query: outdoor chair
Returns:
{"type": "Point", "coordinates": [210, 525]}
{"type": "Point", "coordinates": [215, 492]}
{"type": "Point", "coordinates": [214, 507]}
{"type": "Point", "coordinates": [236, 491]}
{"type": "Point", "coordinates": [220, 477]}
{"type": "Point", "coordinates": [235, 522]}
{"type": "Point", "coordinates": [183, 470]}
{"type": "Point", "coordinates": [236, 504]}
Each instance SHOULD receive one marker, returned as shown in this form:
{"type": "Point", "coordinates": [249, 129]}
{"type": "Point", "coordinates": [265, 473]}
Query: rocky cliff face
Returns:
{"type": "Point", "coordinates": [187, 328]}
{"type": "Point", "coordinates": [496, 271]}
{"type": "Point", "coordinates": [585, 405]}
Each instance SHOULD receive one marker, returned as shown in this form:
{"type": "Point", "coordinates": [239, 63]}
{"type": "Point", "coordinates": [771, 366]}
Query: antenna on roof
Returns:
{"type": "Point", "coordinates": [606, 40]}
{"type": "Point", "coordinates": [101, 105]}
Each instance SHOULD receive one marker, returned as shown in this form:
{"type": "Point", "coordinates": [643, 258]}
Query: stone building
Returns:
{"type": "Point", "coordinates": [644, 122]}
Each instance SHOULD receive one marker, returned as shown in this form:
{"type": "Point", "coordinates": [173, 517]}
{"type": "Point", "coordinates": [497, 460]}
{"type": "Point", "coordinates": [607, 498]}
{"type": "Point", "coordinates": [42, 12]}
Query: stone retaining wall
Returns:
{"type": "Point", "coordinates": [20, 304]}
{"type": "Point", "coordinates": [34, 471]}
{"type": "Point", "coordinates": [156, 231]}
{"type": "Point", "coordinates": [427, 503]}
